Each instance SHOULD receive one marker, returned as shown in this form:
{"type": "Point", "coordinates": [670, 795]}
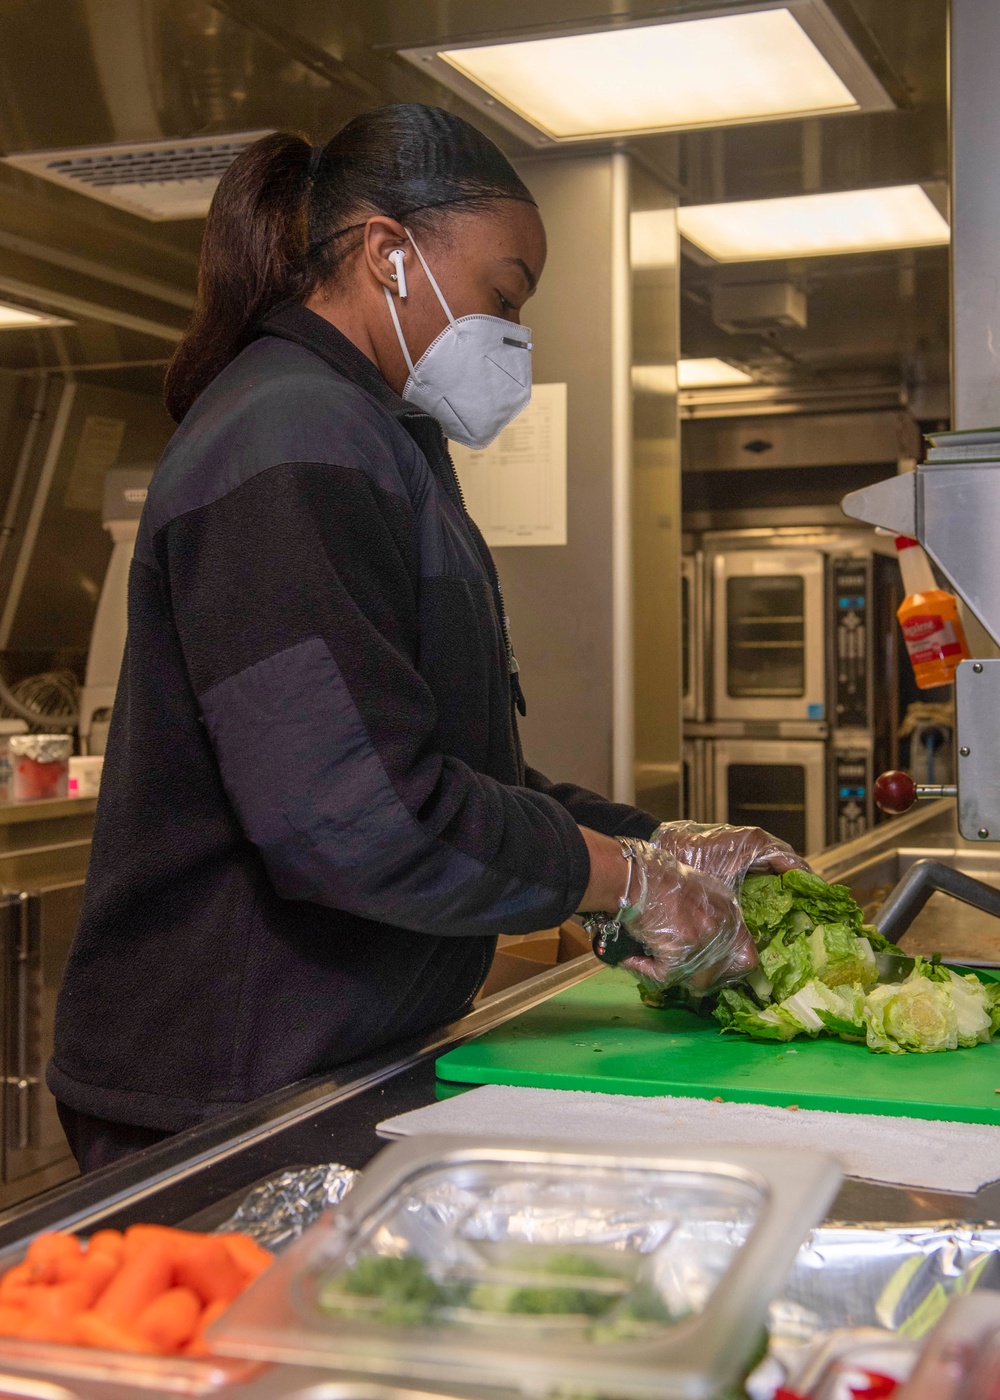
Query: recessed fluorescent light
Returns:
{"type": "Point", "coordinates": [709, 374]}
{"type": "Point", "coordinates": [760, 62]}
{"type": "Point", "coordinates": [14, 318]}
{"type": "Point", "coordinates": [687, 374]}
{"type": "Point", "coordinates": [812, 225]}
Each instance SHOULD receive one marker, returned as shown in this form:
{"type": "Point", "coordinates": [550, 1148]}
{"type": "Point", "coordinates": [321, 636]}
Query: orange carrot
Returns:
{"type": "Point", "coordinates": [96, 1272]}
{"type": "Point", "coordinates": [198, 1346]}
{"type": "Point", "coordinates": [43, 1329]}
{"type": "Point", "coordinates": [53, 1258]}
{"type": "Point", "coordinates": [107, 1242]}
{"type": "Point", "coordinates": [142, 1277]}
{"type": "Point", "coordinates": [58, 1303]}
{"type": "Point", "coordinates": [11, 1321]}
{"type": "Point", "coordinates": [208, 1270]}
{"type": "Point", "coordinates": [15, 1283]}
{"type": "Point", "coordinates": [91, 1330]}
{"type": "Point", "coordinates": [170, 1320]}
{"type": "Point", "coordinates": [138, 1236]}
{"type": "Point", "coordinates": [247, 1255]}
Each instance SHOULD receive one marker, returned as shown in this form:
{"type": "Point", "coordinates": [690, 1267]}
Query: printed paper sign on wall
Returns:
{"type": "Point", "coordinates": [516, 488]}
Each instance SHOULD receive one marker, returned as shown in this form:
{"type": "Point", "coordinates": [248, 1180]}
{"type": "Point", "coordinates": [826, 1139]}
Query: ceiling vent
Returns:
{"type": "Point", "coordinates": [758, 306]}
{"type": "Point", "coordinates": [157, 180]}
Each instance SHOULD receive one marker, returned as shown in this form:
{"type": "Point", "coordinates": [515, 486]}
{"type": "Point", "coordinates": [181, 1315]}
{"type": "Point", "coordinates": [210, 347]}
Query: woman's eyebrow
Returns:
{"type": "Point", "coordinates": [529, 276]}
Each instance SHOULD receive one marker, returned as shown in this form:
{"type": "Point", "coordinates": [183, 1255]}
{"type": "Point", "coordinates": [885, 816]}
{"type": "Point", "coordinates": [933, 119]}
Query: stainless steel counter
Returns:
{"type": "Point", "coordinates": [197, 1177]}
{"type": "Point", "coordinates": [198, 1174]}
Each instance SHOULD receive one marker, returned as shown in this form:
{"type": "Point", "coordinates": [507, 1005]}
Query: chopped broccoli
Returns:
{"type": "Point", "coordinates": [407, 1292]}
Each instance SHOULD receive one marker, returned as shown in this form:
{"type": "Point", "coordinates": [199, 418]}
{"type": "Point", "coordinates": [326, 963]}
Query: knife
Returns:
{"type": "Point", "coordinates": [894, 967]}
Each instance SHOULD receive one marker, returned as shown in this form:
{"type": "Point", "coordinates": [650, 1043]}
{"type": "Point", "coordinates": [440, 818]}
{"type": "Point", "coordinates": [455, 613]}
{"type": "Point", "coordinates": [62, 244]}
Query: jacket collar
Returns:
{"type": "Point", "coordinates": [292, 321]}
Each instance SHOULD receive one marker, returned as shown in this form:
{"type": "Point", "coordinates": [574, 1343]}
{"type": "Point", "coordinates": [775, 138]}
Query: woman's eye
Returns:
{"type": "Point", "coordinates": [505, 305]}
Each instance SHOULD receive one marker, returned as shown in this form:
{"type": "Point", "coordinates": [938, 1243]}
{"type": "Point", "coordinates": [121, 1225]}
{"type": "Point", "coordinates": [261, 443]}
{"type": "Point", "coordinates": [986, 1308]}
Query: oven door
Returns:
{"type": "Point", "coordinates": [773, 783]}
{"type": "Point", "coordinates": [768, 638]}
{"type": "Point", "coordinates": [693, 636]}
{"type": "Point", "coordinates": [696, 794]}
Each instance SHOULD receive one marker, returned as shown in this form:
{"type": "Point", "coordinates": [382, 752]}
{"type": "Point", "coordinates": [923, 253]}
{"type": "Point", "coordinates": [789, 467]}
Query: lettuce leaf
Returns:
{"type": "Point", "coordinates": [842, 957]}
{"type": "Point", "coordinates": [917, 1015]}
{"type": "Point", "coordinates": [765, 904]}
{"type": "Point", "coordinates": [787, 966]}
{"type": "Point", "coordinates": [736, 1012]}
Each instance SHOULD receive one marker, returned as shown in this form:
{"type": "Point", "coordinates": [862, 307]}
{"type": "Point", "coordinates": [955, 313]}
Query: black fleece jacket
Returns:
{"type": "Point", "coordinates": [314, 817]}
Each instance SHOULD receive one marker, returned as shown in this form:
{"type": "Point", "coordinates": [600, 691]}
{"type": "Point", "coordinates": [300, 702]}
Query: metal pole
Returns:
{"type": "Point", "coordinates": [622, 622]}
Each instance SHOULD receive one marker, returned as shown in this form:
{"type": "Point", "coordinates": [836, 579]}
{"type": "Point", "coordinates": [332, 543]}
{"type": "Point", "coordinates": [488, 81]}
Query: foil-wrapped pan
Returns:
{"type": "Point", "coordinates": [278, 1210]}
{"type": "Point", "coordinates": [899, 1277]}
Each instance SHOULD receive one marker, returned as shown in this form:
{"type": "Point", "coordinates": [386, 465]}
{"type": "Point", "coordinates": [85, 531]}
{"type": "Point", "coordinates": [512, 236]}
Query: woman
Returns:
{"type": "Point", "coordinates": [315, 818]}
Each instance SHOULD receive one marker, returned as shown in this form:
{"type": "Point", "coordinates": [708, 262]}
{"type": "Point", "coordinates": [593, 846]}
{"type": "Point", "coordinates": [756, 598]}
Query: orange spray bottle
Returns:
{"type": "Point", "coordinates": [928, 615]}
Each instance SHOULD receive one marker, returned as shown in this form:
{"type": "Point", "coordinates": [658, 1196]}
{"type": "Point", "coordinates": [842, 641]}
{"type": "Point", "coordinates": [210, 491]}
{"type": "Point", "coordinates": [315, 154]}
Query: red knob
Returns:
{"type": "Point", "coordinates": [895, 793]}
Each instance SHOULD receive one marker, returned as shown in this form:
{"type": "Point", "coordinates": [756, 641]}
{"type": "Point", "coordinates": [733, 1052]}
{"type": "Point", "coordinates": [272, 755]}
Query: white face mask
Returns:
{"type": "Point", "coordinates": [475, 378]}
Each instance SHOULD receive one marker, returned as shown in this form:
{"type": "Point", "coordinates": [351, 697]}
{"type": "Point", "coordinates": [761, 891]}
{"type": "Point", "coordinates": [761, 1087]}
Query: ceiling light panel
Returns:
{"type": "Point", "coordinates": [816, 225]}
{"type": "Point", "coordinates": [19, 318]}
{"type": "Point", "coordinates": [763, 62]}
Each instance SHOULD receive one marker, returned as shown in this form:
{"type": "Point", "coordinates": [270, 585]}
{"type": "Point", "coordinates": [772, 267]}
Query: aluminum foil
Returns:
{"type": "Point", "coordinates": [899, 1277]}
{"type": "Point", "coordinates": [278, 1210]}
{"type": "Point", "coordinates": [42, 748]}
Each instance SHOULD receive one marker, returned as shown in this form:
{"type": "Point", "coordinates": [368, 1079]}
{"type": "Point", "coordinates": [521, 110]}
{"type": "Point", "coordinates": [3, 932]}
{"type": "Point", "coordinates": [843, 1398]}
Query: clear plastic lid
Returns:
{"type": "Point", "coordinates": [551, 1266]}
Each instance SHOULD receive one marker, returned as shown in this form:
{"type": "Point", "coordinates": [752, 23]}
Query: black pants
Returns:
{"type": "Point", "coordinates": [95, 1142]}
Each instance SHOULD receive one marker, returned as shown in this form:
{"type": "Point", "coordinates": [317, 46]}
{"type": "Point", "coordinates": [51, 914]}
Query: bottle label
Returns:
{"type": "Point", "coordinates": [931, 638]}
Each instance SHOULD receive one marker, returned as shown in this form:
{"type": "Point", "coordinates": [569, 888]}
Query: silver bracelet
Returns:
{"type": "Point", "coordinates": [628, 853]}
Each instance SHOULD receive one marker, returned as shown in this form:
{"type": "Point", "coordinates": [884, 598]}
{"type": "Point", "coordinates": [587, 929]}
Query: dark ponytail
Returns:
{"type": "Point", "coordinates": [286, 215]}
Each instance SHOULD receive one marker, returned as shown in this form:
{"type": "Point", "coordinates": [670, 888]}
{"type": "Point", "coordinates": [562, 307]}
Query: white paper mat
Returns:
{"type": "Point", "coordinates": [904, 1151]}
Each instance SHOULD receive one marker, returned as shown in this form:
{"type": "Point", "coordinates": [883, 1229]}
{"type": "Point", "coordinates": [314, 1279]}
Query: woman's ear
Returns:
{"type": "Point", "coordinates": [385, 248]}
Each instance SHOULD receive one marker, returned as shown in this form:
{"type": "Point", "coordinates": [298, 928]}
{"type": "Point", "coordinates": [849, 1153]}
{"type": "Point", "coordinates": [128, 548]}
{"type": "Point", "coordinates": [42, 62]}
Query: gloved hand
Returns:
{"type": "Point", "coordinates": [727, 852]}
{"type": "Point", "coordinates": [688, 920]}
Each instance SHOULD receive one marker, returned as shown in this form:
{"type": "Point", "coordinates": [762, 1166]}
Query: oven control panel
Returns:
{"type": "Point", "coordinates": [851, 785]}
{"type": "Point", "coordinates": [851, 587]}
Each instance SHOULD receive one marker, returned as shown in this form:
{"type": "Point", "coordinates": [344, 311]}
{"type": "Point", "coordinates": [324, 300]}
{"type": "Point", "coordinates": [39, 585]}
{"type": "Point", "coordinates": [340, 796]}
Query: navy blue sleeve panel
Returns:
{"type": "Point", "coordinates": [297, 601]}
{"type": "Point", "coordinates": [591, 809]}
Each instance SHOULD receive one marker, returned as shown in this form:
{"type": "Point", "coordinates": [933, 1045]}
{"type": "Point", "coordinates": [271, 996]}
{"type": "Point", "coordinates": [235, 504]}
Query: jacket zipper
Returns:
{"type": "Point", "coordinates": [513, 669]}
{"type": "Point", "coordinates": [512, 666]}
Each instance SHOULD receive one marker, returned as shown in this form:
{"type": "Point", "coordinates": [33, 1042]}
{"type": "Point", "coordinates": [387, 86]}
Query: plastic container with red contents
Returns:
{"type": "Point", "coordinates": [40, 765]}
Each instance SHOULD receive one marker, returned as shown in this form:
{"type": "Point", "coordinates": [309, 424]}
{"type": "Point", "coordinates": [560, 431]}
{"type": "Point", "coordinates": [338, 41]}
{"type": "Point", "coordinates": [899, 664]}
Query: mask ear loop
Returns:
{"type": "Point", "coordinates": [399, 331]}
{"type": "Point", "coordinates": [395, 315]}
{"type": "Point", "coordinates": [430, 277]}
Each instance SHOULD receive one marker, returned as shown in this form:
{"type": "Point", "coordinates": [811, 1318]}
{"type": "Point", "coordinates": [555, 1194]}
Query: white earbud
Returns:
{"type": "Point", "coordinates": [396, 258]}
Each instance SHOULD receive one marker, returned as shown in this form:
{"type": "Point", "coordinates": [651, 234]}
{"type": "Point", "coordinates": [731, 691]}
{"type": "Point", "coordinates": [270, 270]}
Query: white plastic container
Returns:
{"type": "Point", "coordinates": [85, 775]}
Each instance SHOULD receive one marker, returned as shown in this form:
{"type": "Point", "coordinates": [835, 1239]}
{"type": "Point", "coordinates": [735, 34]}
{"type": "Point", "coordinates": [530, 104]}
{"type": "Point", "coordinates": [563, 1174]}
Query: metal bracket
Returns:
{"type": "Point", "coordinates": [977, 733]}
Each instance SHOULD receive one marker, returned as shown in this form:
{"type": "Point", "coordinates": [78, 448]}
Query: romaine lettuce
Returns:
{"type": "Point", "coordinates": [818, 975]}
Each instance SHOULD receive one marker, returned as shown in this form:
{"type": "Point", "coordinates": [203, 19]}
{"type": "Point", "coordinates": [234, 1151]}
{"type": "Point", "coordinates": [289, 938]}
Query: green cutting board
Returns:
{"type": "Point", "coordinates": [597, 1035]}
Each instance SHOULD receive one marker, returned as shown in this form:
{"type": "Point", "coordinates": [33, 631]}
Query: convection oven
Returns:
{"type": "Point", "coordinates": [778, 784]}
{"type": "Point", "coordinates": [801, 669]}
{"type": "Point", "coordinates": [769, 635]}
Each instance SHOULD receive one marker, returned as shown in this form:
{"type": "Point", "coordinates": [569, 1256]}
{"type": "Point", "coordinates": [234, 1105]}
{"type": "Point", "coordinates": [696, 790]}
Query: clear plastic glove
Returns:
{"type": "Point", "coordinates": [727, 852]}
{"type": "Point", "coordinates": [688, 920]}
